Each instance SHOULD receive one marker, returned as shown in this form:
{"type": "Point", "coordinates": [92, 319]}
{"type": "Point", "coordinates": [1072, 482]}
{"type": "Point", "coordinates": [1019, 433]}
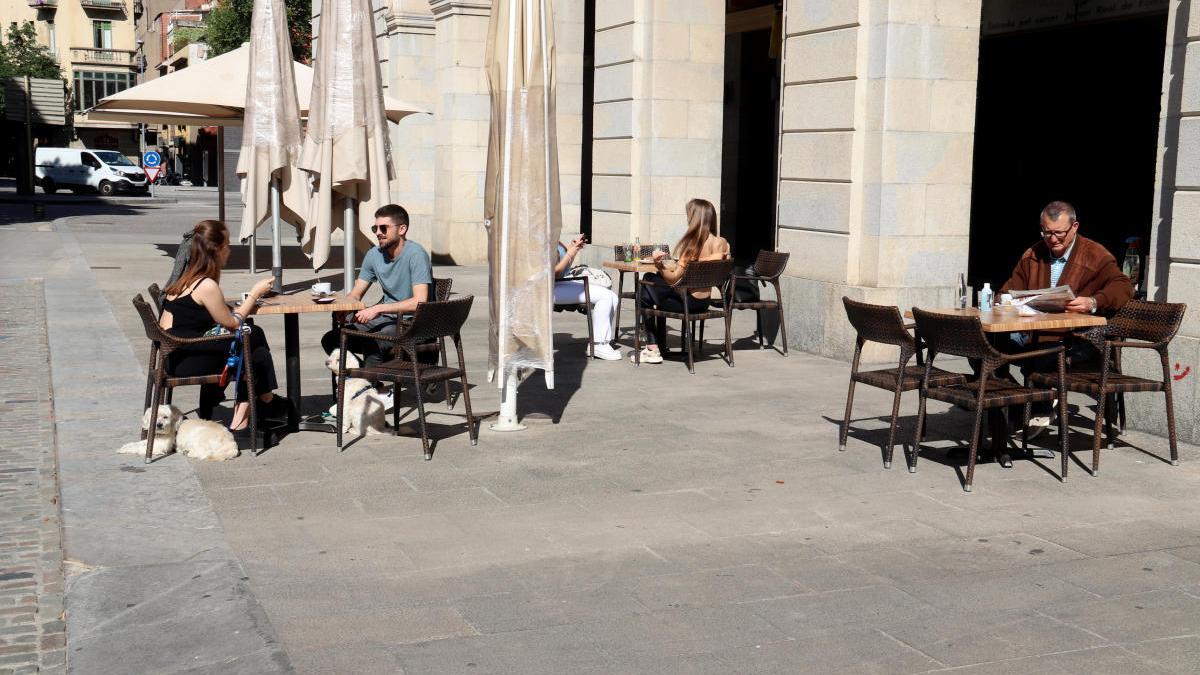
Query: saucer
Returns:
{"type": "Point", "coordinates": [324, 298]}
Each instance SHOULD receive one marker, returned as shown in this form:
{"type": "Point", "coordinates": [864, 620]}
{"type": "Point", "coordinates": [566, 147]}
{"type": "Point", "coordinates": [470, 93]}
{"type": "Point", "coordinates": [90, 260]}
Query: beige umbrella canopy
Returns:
{"type": "Point", "coordinates": [346, 149]}
{"type": "Point", "coordinates": [210, 93]}
{"type": "Point", "coordinates": [522, 210]}
{"type": "Point", "coordinates": [271, 132]}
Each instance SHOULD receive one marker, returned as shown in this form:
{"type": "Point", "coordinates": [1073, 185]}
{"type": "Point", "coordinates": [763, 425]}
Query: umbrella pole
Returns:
{"type": "Point", "coordinates": [221, 174]}
{"type": "Point", "coordinates": [349, 235]}
{"type": "Point", "coordinates": [276, 252]}
{"type": "Point", "coordinates": [507, 419]}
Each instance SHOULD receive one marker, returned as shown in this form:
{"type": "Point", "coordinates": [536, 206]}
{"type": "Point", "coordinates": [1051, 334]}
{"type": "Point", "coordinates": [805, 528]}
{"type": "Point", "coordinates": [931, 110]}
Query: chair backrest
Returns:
{"type": "Point", "coordinates": [441, 288]}
{"type": "Point", "coordinates": [1155, 322]}
{"type": "Point", "coordinates": [878, 323]}
{"type": "Point", "coordinates": [440, 318]}
{"type": "Point", "coordinates": [154, 332]}
{"type": "Point", "coordinates": [156, 296]}
{"type": "Point", "coordinates": [705, 274]}
{"type": "Point", "coordinates": [958, 335]}
{"type": "Point", "coordinates": [771, 263]}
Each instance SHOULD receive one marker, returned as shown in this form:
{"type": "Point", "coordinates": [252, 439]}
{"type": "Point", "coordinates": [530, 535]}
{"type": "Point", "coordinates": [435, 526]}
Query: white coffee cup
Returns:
{"type": "Point", "coordinates": [322, 288]}
{"type": "Point", "coordinates": [1006, 298]}
{"type": "Point", "coordinates": [244, 296]}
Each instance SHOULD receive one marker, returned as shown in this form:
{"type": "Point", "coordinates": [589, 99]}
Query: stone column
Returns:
{"type": "Point", "coordinates": [657, 115]}
{"type": "Point", "coordinates": [875, 161]}
{"type": "Point", "coordinates": [461, 118]}
{"type": "Point", "coordinates": [408, 75]}
{"type": "Point", "coordinates": [1174, 249]}
{"type": "Point", "coordinates": [568, 53]}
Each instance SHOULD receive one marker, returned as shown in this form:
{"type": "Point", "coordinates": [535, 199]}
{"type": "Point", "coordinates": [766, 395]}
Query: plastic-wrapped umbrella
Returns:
{"type": "Point", "coordinates": [271, 134]}
{"type": "Point", "coordinates": [346, 148]}
{"type": "Point", "coordinates": [522, 209]}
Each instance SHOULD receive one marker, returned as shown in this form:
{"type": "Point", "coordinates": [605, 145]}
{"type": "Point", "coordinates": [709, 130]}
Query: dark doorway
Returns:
{"type": "Point", "coordinates": [1065, 113]}
{"type": "Point", "coordinates": [750, 137]}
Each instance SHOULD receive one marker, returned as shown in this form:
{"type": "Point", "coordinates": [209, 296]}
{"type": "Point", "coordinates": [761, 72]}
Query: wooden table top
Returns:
{"type": "Point", "coordinates": [1010, 321]}
{"type": "Point", "coordinates": [302, 303]}
{"type": "Point", "coordinates": [639, 267]}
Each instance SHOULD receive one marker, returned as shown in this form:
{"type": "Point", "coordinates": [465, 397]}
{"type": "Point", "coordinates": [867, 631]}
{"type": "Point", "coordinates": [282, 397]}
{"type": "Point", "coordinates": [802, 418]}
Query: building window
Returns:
{"type": "Point", "coordinates": [51, 38]}
{"type": "Point", "coordinates": [91, 86]}
{"type": "Point", "coordinates": [102, 34]}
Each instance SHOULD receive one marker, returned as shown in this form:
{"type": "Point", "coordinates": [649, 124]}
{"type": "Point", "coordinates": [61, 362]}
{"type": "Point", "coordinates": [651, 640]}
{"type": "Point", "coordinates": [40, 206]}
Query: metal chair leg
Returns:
{"type": "Point", "coordinates": [421, 418]}
{"type": "Point", "coordinates": [974, 451]}
{"type": "Point", "coordinates": [472, 430]}
{"type": "Point", "coordinates": [916, 448]}
{"type": "Point", "coordinates": [153, 415]}
{"type": "Point", "coordinates": [846, 422]}
{"type": "Point", "coordinates": [887, 456]}
{"type": "Point", "coordinates": [1097, 427]}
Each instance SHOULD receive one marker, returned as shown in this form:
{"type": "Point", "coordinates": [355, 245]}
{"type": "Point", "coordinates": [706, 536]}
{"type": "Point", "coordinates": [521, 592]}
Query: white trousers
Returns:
{"type": "Point", "coordinates": [604, 303]}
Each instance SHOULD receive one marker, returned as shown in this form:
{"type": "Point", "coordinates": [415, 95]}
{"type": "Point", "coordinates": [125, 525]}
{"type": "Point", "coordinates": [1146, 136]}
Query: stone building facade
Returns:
{"type": "Point", "coordinates": [897, 140]}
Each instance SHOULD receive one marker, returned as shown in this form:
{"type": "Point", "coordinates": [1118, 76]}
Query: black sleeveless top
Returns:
{"type": "Point", "coordinates": [188, 318]}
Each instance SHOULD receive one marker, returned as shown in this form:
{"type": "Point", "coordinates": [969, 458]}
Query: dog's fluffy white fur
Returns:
{"type": "Point", "coordinates": [202, 439]}
{"type": "Point", "coordinates": [365, 412]}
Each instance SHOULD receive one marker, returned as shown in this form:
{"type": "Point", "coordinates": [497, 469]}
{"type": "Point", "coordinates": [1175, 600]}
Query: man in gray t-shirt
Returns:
{"type": "Point", "coordinates": [403, 271]}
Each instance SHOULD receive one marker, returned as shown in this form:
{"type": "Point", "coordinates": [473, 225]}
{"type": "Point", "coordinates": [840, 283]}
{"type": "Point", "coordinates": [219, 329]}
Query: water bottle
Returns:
{"type": "Point", "coordinates": [985, 297]}
{"type": "Point", "coordinates": [1132, 264]}
{"type": "Point", "coordinates": [637, 248]}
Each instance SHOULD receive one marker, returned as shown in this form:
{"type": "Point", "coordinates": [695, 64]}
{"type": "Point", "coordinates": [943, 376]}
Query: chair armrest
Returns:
{"type": "Point", "coordinates": [752, 277]}
{"type": "Point", "coordinates": [204, 339]}
{"type": "Point", "coordinates": [1133, 345]}
{"type": "Point", "coordinates": [1057, 349]}
{"type": "Point", "coordinates": [400, 336]}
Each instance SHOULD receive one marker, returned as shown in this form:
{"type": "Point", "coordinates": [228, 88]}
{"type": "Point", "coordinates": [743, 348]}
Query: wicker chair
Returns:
{"type": "Point", "coordinates": [584, 308]}
{"type": "Point", "coordinates": [1139, 324]}
{"type": "Point", "coordinates": [883, 324]}
{"type": "Point", "coordinates": [431, 321]}
{"type": "Point", "coordinates": [699, 275]}
{"type": "Point", "coordinates": [963, 336]}
{"type": "Point", "coordinates": [441, 293]}
{"type": "Point", "coordinates": [156, 296]}
{"type": "Point", "coordinates": [162, 344]}
{"type": "Point", "coordinates": [769, 265]}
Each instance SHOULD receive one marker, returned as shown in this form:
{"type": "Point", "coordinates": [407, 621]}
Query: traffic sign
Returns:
{"type": "Point", "coordinates": [151, 159]}
{"type": "Point", "coordinates": [152, 172]}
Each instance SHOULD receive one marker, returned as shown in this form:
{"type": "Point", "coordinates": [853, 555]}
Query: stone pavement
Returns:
{"type": "Point", "coordinates": [32, 631]}
{"type": "Point", "coordinates": [648, 520]}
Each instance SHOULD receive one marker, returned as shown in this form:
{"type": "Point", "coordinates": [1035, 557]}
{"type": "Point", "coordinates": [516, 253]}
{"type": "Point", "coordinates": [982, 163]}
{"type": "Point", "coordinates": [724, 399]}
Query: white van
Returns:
{"type": "Point", "coordinates": [105, 171]}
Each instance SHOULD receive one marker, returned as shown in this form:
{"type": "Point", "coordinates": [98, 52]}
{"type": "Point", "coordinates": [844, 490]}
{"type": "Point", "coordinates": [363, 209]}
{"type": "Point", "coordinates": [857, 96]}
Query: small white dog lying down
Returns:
{"type": "Point", "coordinates": [202, 439]}
{"type": "Point", "coordinates": [365, 412]}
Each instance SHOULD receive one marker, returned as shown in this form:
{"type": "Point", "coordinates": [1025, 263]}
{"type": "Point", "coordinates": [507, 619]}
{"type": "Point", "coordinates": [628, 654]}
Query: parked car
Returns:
{"type": "Point", "coordinates": [105, 171]}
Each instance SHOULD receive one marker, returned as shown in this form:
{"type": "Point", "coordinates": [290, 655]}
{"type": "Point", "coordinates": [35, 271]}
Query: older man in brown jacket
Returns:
{"type": "Point", "coordinates": [1063, 258]}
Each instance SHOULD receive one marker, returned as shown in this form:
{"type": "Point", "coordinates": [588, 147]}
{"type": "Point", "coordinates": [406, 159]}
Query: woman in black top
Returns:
{"type": "Point", "coordinates": [194, 304]}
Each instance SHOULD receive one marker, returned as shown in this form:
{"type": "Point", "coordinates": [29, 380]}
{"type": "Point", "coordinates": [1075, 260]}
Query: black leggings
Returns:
{"type": "Point", "coordinates": [207, 359]}
{"type": "Point", "coordinates": [667, 300]}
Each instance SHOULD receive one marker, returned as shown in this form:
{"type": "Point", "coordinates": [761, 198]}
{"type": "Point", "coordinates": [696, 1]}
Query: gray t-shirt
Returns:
{"type": "Point", "coordinates": [397, 276]}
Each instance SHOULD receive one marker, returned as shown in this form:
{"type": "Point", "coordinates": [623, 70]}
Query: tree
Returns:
{"type": "Point", "coordinates": [21, 55]}
{"type": "Point", "coordinates": [228, 26]}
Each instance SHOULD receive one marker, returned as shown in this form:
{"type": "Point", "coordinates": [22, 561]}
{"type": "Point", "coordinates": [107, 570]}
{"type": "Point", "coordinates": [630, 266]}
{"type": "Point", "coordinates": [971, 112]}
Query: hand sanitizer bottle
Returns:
{"type": "Point", "coordinates": [985, 298]}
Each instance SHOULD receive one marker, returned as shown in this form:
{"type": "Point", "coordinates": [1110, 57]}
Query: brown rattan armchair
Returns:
{"type": "Point", "coordinates": [1139, 324]}
{"type": "Point", "coordinates": [698, 276]}
{"type": "Point", "coordinates": [160, 383]}
{"type": "Point", "coordinates": [963, 336]}
{"type": "Point", "coordinates": [883, 324]}
{"type": "Point", "coordinates": [769, 265]}
{"type": "Point", "coordinates": [156, 296]}
{"type": "Point", "coordinates": [431, 321]}
{"type": "Point", "coordinates": [584, 308]}
{"type": "Point", "coordinates": [441, 292]}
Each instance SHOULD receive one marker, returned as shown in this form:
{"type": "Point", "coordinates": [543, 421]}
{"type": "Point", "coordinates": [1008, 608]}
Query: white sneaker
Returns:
{"type": "Point", "coordinates": [388, 399]}
{"type": "Point", "coordinates": [1038, 424]}
{"type": "Point", "coordinates": [605, 352]}
{"type": "Point", "coordinates": [647, 356]}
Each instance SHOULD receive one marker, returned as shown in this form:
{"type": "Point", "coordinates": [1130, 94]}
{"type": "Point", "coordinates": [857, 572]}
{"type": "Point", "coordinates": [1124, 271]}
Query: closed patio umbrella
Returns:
{"type": "Point", "coordinates": [346, 149]}
{"type": "Point", "coordinates": [270, 132]}
{"type": "Point", "coordinates": [522, 210]}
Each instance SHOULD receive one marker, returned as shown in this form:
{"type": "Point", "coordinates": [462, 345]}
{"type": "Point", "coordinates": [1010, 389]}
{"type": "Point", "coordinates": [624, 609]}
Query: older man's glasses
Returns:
{"type": "Point", "coordinates": [1058, 235]}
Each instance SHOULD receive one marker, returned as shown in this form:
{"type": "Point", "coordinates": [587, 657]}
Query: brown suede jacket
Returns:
{"type": "Point", "coordinates": [1091, 271]}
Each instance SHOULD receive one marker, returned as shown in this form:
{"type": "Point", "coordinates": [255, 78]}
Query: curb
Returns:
{"type": "Point", "coordinates": [111, 201]}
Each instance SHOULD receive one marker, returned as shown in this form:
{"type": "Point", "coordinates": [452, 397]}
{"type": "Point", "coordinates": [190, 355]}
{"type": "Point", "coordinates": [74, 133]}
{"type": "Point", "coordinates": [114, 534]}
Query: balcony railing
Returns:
{"type": "Point", "coordinates": [104, 57]}
{"type": "Point", "coordinates": [44, 4]}
{"type": "Point", "coordinates": [115, 5]}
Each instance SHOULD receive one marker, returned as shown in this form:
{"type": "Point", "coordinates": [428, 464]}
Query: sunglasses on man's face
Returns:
{"type": "Point", "coordinates": [377, 229]}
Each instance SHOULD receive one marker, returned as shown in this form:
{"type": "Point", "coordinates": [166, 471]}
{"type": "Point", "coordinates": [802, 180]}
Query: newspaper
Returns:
{"type": "Point", "coordinates": [1043, 299]}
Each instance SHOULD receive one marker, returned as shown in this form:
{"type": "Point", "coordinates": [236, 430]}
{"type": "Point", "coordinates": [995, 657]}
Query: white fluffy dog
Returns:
{"type": "Point", "coordinates": [365, 411]}
{"type": "Point", "coordinates": [202, 439]}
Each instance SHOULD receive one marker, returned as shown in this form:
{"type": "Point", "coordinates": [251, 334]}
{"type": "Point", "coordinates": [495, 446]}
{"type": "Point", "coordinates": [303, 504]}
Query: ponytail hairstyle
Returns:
{"type": "Point", "coordinates": [204, 259]}
{"type": "Point", "coordinates": [702, 223]}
